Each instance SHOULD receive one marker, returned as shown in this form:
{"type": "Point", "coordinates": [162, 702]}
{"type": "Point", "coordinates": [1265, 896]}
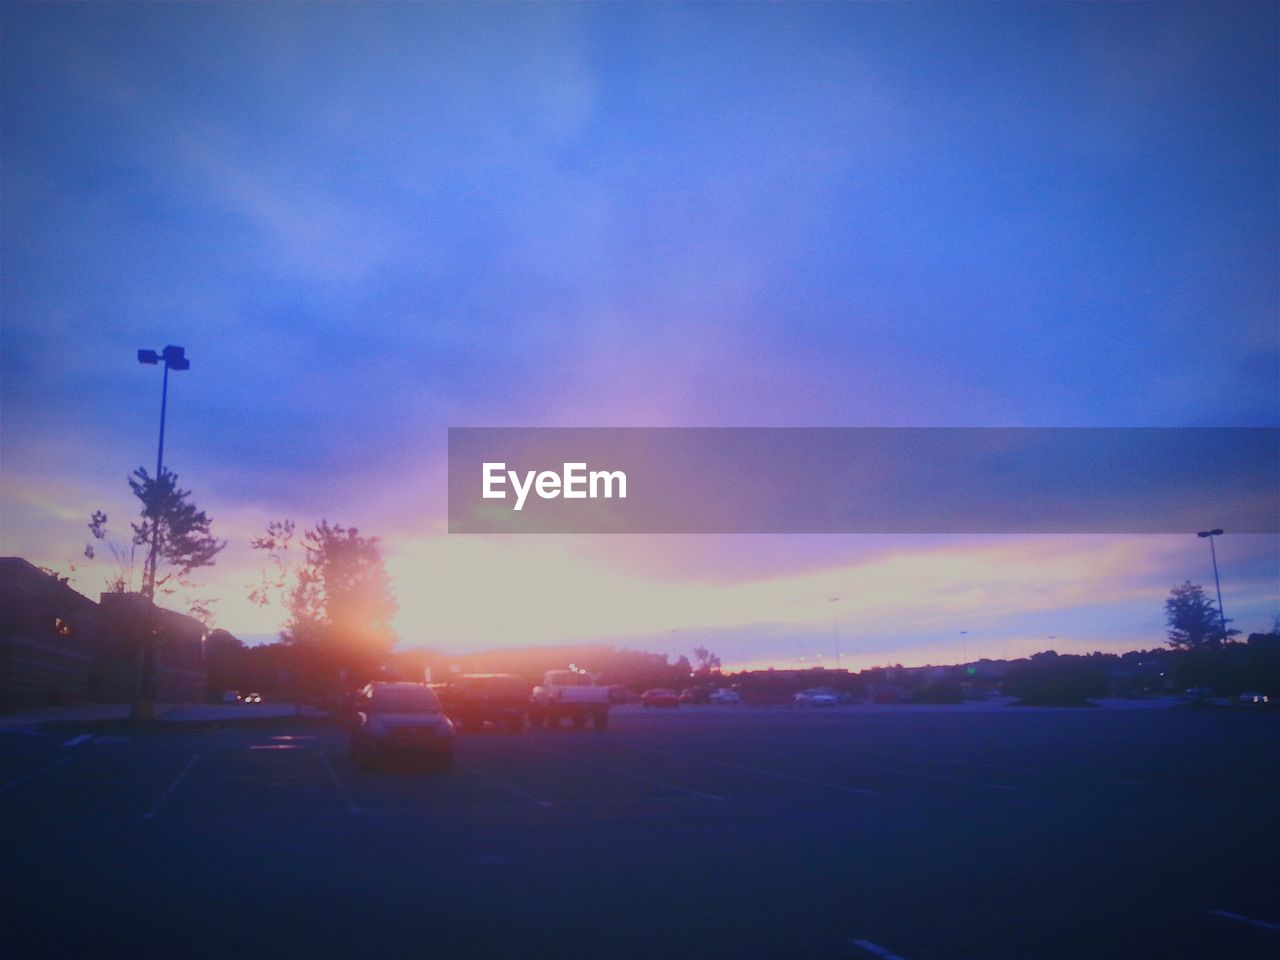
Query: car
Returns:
{"type": "Point", "coordinates": [1252, 697]}
{"type": "Point", "coordinates": [572, 695]}
{"type": "Point", "coordinates": [252, 698]}
{"type": "Point", "coordinates": [401, 720]}
{"type": "Point", "coordinates": [817, 697]}
{"type": "Point", "coordinates": [660, 697]}
{"type": "Point", "coordinates": [474, 699]}
{"type": "Point", "coordinates": [725, 695]}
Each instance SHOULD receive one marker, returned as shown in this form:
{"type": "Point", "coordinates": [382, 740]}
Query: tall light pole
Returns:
{"type": "Point", "coordinates": [1210, 534]}
{"type": "Point", "coordinates": [175, 358]}
{"type": "Point", "coordinates": [835, 630]}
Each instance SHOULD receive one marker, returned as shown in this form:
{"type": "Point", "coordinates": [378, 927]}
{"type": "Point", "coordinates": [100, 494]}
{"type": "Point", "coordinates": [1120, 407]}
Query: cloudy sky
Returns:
{"type": "Point", "coordinates": [369, 223]}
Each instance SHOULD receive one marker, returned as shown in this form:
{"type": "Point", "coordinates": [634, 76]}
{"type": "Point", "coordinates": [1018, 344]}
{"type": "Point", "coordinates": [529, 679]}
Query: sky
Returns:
{"type": "Point", "coordinates": [370, 223]}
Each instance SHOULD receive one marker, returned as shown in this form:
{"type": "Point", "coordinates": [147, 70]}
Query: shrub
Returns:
{"type": "Point", "coordinates": [1056, 681]}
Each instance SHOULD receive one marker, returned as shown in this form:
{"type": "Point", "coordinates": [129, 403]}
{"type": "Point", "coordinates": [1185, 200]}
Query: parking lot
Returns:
{"type": "Point", "coordinates": [700, 832]}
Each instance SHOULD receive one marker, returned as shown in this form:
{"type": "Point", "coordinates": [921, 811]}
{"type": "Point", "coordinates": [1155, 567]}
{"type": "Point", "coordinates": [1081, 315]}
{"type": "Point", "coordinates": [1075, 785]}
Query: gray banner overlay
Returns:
{"type": "Point", "coordinates": [864, 480]}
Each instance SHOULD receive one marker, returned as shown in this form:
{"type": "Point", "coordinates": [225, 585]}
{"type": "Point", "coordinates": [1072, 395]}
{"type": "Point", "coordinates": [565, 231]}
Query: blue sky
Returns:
{"type": "Point", "coordinates": [367, 223]}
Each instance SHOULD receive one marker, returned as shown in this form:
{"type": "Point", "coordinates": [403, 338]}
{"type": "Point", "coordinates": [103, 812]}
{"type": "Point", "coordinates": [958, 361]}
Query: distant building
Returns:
{"type": "Point", "coordinates": [58, 645]}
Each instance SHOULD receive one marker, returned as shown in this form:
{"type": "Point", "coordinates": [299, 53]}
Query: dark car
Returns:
{"type": "Point", "coordinates": [475, 699]}
{"type": "Point", "coordinates": [660, 697]}
{"type": "Point", "coordinates": [400, 720]}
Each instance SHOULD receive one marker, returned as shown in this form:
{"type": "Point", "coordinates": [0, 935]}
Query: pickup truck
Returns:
{"type": "Point", "coordinates": [572, 694]}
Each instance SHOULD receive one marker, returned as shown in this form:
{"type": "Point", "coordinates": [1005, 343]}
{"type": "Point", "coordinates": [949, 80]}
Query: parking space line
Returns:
{"type": "Point", "coordinates": [877, 950]}
{"type": "Point", "coordinates": [1238, 918]}
{"type": "Point", "coordinates": [341, 787]}
{"type": "Point", "coordinates": [768, 773]}
{"type": "Point", "coordinates": [155, 808]}
{"type": "Point", "coordinates": [505, 786]}
{"type": "Point", "coordinates": [30, 776]}
{"type": "Point", "coordinates": [1034, 771]}
{"type": "Point", "coordinates": [633, 775]}
{"type": "Point", "coordinates": [76, 741]}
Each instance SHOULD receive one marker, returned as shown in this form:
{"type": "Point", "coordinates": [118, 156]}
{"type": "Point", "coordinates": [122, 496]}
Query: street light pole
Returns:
{"type": "Point", "coordinates": [835, 630]}
{"type": "Point", "coordinates": [1222, 614]}
{"type": "Point", "coordinates": [175, 358]}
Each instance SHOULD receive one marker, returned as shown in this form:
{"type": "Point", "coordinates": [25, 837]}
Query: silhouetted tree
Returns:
{"type": "Point", "coordinates": [338, 597]}
{"type": "Point", "coordinates": [224, 661]}
{"type": "Point", "coordinates": [1048, 679]}
{"type": "Point", "coordinates": [185, 542]}
{"type": "Point", "coordinates": [707, 660]}
{"type": "Point", "coordinates": [1195, 622]}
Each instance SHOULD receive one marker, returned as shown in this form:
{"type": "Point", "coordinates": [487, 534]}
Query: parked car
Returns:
{"type": "Point", "coordinates": [401, 720]}
{"type": "Point", "coordinates": [573, 694]}
{"type": "Point", "coordinates": [474, 699]}
{"type": "Point", "coordinates": [252, 698]}
{"type": "Point", "coordinates": [817, 697]}
{"type": "Point", "coordinates": [1251, 697]}
{"type": "Point", "coordinates": [725, 695]}
{"type": "Point", "coordinates": [660, 697]}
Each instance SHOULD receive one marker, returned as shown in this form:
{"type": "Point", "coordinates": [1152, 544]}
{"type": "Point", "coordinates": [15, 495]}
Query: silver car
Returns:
{"type": "Point", "coordinates": [401, 720]}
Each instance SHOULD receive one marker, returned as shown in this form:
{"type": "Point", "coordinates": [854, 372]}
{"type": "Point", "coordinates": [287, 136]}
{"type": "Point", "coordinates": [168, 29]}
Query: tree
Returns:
{"type": "Point", "coordinates": [1051, 680]}
{"type": "Point", "coordinates": [708, 662]}
{"type": "Point", "coordinates": [180, 532]}
{"type": "Point", "coordinates": [1194, 620]}
{"type": "Point", "coordinates": [185, 542]}
{"type": "Point", "coordinates": [338, 599]}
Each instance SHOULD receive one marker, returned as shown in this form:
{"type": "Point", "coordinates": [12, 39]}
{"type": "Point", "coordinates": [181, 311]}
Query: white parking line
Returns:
{"type": "Point", "coordinates": [1238, 918]}
{"type": "Point", "coordinates": [634, 775]}
{"type": "Point", "coordinates": [505, 786]}
{"type": "Point", "coordinates": [337, 782]}
{"type": "Point", "coordinates": [875, 948]}
{"type": "Point", "coordinates": [768, 773]}
{"type": "Point", "coordinates": [76, 741]}
{"type": "Point", "coordinates": [13, 783]}
{"type": "Point", "coordinates": [155, 808]}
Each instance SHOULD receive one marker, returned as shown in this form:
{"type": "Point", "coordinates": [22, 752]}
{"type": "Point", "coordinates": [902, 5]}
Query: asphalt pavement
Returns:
{"type": "Point", "coordinates": [694, 833]}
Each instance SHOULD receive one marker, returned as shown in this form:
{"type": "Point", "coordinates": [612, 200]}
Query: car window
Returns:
{"type": "Point", "coordinates": [404, 700]}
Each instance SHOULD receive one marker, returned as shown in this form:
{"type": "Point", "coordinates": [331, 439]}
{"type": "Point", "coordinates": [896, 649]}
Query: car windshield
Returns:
{"type": "Point", "coordinates": [404, 700]}
{"type": "Point", "coordinates": [496, 686]}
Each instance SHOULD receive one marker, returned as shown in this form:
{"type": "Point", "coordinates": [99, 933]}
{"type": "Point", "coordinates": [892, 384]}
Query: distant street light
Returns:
{"type": "Point", "coordinates": [175, 358]}
{"type": "Point", "coordinates": [1210, 534]}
